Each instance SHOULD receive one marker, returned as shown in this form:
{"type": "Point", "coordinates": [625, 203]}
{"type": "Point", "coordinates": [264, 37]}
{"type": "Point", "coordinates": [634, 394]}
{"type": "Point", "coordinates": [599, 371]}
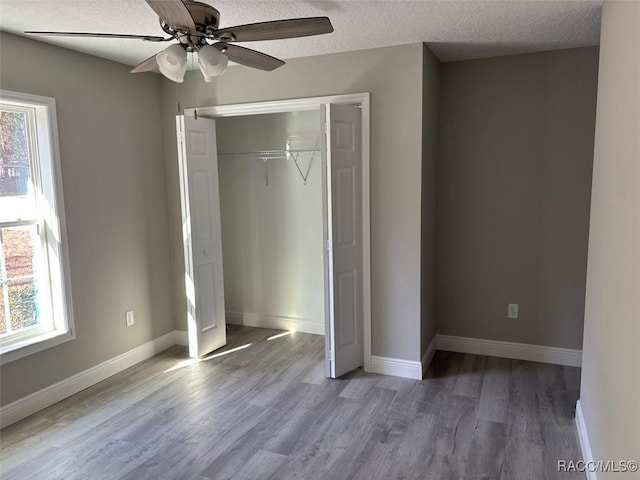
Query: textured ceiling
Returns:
{"type": "Point", "coordinates": [454, 29]}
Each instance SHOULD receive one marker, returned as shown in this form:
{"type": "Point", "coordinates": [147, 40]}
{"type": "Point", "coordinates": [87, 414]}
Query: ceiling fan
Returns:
{"type": "Point", "coordinates": [196, 27]}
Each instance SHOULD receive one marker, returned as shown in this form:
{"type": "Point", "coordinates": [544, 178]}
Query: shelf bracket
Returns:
{"type": "Point", "coordinates": [295, 157]}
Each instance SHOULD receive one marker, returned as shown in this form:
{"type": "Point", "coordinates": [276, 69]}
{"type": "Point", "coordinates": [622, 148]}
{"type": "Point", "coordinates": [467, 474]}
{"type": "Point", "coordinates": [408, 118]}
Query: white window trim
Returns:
{"type": "Point", "coordinates": [49, 154]}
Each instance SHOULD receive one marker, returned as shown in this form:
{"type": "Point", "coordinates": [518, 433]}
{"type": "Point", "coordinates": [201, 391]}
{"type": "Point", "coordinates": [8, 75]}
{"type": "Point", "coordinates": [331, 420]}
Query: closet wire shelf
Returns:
{"type": "Point", "coordinates": [264, 156]}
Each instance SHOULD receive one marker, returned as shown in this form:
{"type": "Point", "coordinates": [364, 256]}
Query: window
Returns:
{"type": "Point", "coordinates": [35, 297]}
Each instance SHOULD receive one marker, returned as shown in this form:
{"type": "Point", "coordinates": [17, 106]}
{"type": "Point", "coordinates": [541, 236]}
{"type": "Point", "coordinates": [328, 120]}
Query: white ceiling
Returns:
{"type": "Point", "coordinates": [454, 29]}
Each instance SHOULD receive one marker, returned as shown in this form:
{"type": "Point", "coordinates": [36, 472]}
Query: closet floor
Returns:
{"type": "Point", "coordinates": [261, 409]}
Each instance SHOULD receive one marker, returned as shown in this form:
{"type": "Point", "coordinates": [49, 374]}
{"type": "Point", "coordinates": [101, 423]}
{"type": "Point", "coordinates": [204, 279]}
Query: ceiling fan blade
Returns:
{"type": "Point", "coordinates": [248, 57]}
{"type": "Point", "coordinates": [173, 12]}
{"type": "Point", "coordinates": [149, 38]}
{"type": "Point", "coordinates": [149, 65]}
{"type": "Point", "coordinates": [278, 29]}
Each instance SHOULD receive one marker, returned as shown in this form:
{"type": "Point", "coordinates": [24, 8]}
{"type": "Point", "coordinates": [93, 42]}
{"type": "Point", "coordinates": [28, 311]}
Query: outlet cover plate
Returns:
{"type": "Point", "coordinates": [129, 318]}
{"type": "Point", "coordinates": [512, 311]}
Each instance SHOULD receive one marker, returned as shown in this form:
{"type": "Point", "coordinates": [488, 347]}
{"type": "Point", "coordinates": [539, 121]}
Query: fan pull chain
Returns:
{"type": "Point", "coordinates": [178, 97]}
{"type": "Point", "coordinates": [195, 84]}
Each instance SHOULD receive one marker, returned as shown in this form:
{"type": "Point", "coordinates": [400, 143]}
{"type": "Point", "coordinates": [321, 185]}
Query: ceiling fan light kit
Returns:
{"type": "Point", "coordinates": [172, 62]}
{"type": "Point", "coordinates": [212, 62]}
{"type": "Point", "coordinates": [195, 26]}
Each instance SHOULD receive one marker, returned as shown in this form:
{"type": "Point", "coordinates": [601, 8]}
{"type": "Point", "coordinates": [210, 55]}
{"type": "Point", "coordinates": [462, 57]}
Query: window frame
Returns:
{"type": "Point", "coordinates": [43, 143]}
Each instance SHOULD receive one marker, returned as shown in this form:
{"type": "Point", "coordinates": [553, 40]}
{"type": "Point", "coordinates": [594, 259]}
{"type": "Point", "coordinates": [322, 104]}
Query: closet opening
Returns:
{"type": "Point", "coordinates": [270, 176]}
{"type": "Point", "coordinates": [275, 206]}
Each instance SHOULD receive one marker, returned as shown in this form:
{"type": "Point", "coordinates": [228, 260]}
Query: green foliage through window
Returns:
{"type": "Point", "coordinates": [14, 154]}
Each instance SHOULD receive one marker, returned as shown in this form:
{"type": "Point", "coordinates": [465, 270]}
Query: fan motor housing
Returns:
{"type": "Point", "coordinates": [204, 16]}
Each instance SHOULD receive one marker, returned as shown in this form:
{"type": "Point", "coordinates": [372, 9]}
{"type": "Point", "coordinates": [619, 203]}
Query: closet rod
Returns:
{"type": "Point", "coordinates": [269, 154]}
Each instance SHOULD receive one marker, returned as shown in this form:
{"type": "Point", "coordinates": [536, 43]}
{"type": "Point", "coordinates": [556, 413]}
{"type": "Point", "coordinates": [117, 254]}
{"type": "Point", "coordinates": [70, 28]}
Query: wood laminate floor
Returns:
{"type": "Point", "coordinates": [261, 409]}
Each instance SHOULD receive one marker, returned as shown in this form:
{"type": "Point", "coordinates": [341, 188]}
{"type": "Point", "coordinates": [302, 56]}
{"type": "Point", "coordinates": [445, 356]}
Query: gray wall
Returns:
{"type": "Point", "coordinates": [516, 147]}
{"type": "Point", "coordinates": [394, 76]}
{"type": "Point", "coordinates": [272, 238]}
{"type": "Point", "coordinates": [610, 391]}
{"type": "Point", "coordinates": [115, 203]}
{"type": "Point", "coordinates": [430, 129]}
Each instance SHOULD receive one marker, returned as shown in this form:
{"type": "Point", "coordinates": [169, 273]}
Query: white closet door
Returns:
{"type": "Point", "coordinates": [344, 189]}
{"type": "Point", "coordinates": [202, 237]}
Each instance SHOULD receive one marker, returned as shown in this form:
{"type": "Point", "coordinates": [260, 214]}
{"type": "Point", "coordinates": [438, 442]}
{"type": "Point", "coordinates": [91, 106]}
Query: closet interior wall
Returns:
{"type": "Point", "coordinates": [272, 238]}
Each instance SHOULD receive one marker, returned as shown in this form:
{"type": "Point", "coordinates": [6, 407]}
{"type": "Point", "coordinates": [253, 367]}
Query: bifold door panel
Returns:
{"type": "Point", "coordinates": [202, 238]}
{"type": "Point", "coordinates": [344, 192]}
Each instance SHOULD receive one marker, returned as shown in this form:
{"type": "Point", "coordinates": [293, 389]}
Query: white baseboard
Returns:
{"type": "Point", "coordinates": [585, 446]}
{"type": "Point", "coordinates": [428, 355]}
{"type": "Point", "coordinates": [396, 367]}
{"type": "Point", "coordinates": [46, 397]}
{"type": "Point", "coordinates": [301, 325]}
{"type": "Point", "coordinates": [534, 353]}
{"type": "Point", "coordinates": [519, 351]}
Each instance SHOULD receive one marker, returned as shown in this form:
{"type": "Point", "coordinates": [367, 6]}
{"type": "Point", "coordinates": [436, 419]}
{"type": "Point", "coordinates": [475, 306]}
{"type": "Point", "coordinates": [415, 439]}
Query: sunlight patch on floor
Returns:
{"type": "Point", "coordinates": [193, 361]}
{"type": "Point", "coordinates": [279, 335]}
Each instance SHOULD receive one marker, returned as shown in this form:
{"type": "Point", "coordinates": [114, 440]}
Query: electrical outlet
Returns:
{"type": "Point", "coordinates": [129, 318]}
{"type": "Point", "coordinates": [512, 311]}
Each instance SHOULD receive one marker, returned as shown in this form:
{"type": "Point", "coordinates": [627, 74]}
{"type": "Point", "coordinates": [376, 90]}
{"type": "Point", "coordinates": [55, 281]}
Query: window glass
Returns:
{"type": "Point", "coordinates": [17, 199]}
{"type": "Point", "coordinates": [19, 267]}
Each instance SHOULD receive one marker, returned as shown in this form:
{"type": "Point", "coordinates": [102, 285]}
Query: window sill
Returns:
{"type": "Point", "coordinates": [33, 345]}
